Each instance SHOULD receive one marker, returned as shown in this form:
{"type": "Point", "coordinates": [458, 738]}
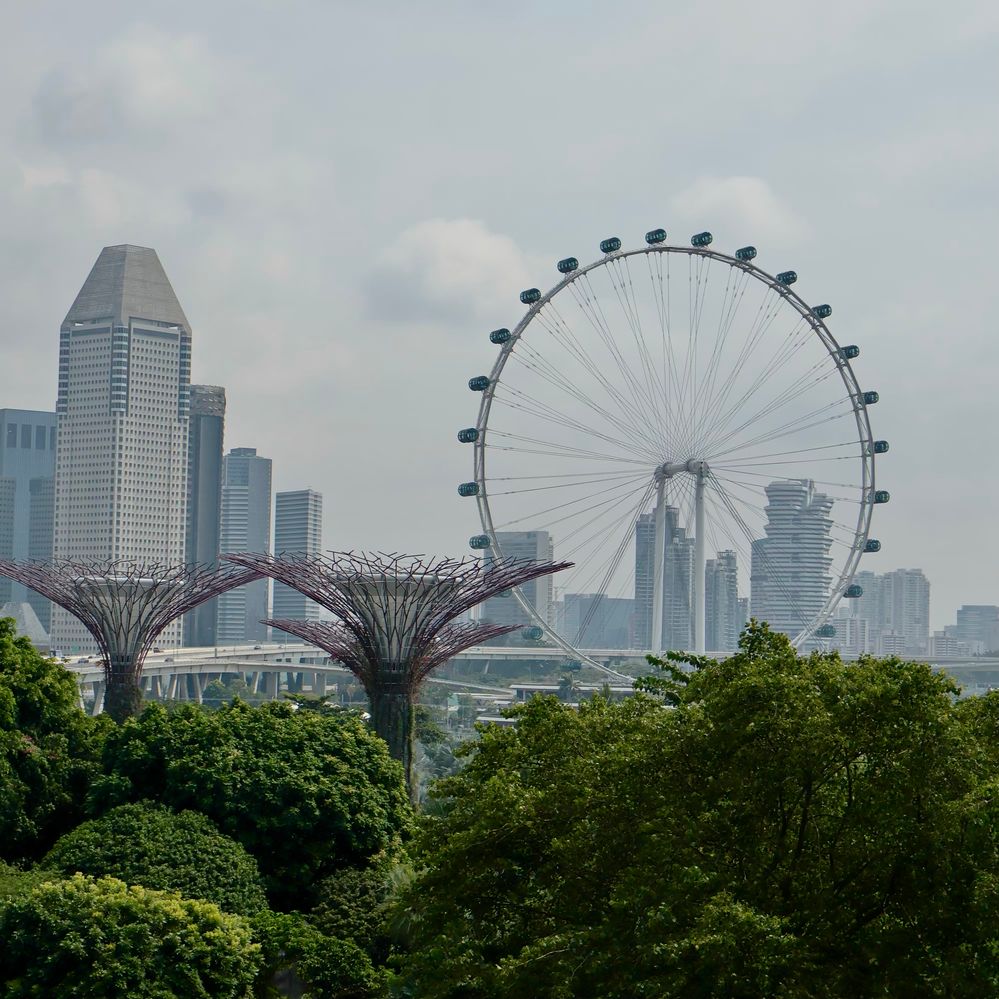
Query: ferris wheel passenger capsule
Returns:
{"type": "Point", "coordinates": [701, 239]}
{"type": "Point", "coordinates": [654, 236]}
{"type": "Point", "coordinates": [850, 352]}
{"type": "Point", "coordinates": [870, 398]}
{"type": "Point", "coordinates": [468, 436]}
{"type": "Point", "coordinates": [873, 545]}
{"type": "Point", "coordinates": [568, 265]}
{"type": "Point", "coordinates": [881, 496]}
{"type": "Point", "coordinates": [745, 253]}
{"type": "Point", "coordinates": [468, 489]}
{"type": "Point", "coordinates": [479, 383]}
{"type": "Point", "coordinates": [787, 277]}
{"type": "Point", "coordinates": [499, 336]}
{"type": "Point", "coordinates": [880, 447]}
{"type": "Point", "coordinates": [826, 631]}
{"type": "Point", "coordinates": [853, 591]}
{"type": "Point", "coordinates": [480, 542]}
{"type": "Point", "coordinates": [532, 632]}
{"type": "Point", "coordinates": [822, 311]}
{"type": "Point", "coordinates": [530, 296]}
{"type": "Point", "coordinates": [610, 245]}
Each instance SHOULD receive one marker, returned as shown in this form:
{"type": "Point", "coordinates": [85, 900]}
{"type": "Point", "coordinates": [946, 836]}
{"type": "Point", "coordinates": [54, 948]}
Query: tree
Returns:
{"type": "Point", "coordinates": [766, 825]}
{"type": "Point", "coordinates": [305, 792]}
{"type": "Point", "coordinates": [48, 749]}
{"type": "Point", "coordinates": [103, 938]}
{"type": "Point", "coordinates": [147, 844]}
{"type": "Point", "coordinates": [297, 957]}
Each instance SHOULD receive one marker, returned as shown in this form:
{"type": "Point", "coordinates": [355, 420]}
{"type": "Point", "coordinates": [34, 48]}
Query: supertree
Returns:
{"type": "Point", "coordinates": [125, 604]}
{"type": "Point", "coordinates": [395, 622]}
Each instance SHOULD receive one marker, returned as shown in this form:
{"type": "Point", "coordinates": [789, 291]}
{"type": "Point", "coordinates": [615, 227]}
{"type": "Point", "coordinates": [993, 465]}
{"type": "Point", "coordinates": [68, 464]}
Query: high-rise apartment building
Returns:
{"type": "Point", "coordinates": [789, 576]}
{"type": "Point", "coordinates": [678, 588]}
{"type": "Point", "coordinates": [645, 554]}
{"type": "Point", "coordinates": [204, 500]}
{"type": "Point", "coordinates": [246, 527]}
{"type": "Point", "coordinates": [122, 406]}
{"type": "Point", "coordinates": [977, 623]}
{"type": "Point", "coordinates": [539, 593]}
{"type": "Point", "coordinates": [722, 622]}
{"type": "Point", "coordinates": [298, 530]}
{"type": "Point", "coordinates": [27, 465]}
{"type": "Point", "coordinates": [905, 602]}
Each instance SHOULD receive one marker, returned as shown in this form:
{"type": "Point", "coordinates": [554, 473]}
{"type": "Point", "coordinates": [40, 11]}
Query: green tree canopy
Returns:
{"type": "Point", "coordinates": [103, 938]}
{"type": "Point", "coordinates": [48, 749]}
{"type": "Point", "coordinates": [147, 844]}
{"type": "Point", "coordinates": [305, 792]}
{"type": "Point", "coordinates": [768, 825]}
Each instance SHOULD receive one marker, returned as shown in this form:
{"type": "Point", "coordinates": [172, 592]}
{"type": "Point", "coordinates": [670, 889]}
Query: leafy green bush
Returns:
{"type": "Point", "coordinates": [48, 749]}
{"type": "Point", "coordinates": [305, 792]}
{"type": "Point", "coordinates": [103, 938]}
{"type": "Point", "coordinates": [352, 905]}
{"type": "Point", "coordinates": [146, 844]}
{"type": "Point", "coordinates": [298, 955]}
{"type": "Point", "coordinates": [15, 882]}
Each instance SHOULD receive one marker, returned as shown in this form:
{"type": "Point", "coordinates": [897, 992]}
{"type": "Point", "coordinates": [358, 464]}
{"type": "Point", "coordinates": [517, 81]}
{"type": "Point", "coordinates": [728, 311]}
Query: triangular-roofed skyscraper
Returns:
{"type": "Point", "coordinates": [123, 408]}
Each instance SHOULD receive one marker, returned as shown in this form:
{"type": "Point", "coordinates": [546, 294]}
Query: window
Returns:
{"type": "Point", "coordinates": [26, 435]}
{"type": "Point", "coordinates": [40, 438]}
{"type": "Point", "coordinates": [11, 435]}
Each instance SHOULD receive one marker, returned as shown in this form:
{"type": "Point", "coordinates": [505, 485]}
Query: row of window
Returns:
{"type": "Point", "coordinates": [31, 433]}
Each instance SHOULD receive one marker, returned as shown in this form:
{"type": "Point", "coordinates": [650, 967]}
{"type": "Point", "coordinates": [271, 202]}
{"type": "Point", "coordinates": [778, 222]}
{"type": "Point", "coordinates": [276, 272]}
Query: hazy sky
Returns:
{"type": "Point", "coordinates": [348, 197]}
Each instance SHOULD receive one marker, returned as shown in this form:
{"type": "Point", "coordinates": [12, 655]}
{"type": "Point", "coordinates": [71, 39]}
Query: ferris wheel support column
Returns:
{"type": "Point", "coordinates": [658, 560]}
{"type": "Point", "coordinates": [700, 476]}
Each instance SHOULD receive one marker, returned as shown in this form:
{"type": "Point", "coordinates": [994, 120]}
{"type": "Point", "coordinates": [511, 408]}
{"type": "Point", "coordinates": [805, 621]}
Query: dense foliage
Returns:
{"type": "Point", "coordinates": [146, 844]}
{"type": "Point", "coordinates": [48, 749]}
{"type": "Point", "coordinates": [766, 825]}
{"type": "Point", "coordinates": [305, 792]}
{"type": "Point", "coordinates": [103, 938]}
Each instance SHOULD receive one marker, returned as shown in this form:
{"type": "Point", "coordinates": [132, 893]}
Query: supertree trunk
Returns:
{"type": "Point", "coordinates": [393, 719]}
{"type": "Point", "coordinates": [122, 694]}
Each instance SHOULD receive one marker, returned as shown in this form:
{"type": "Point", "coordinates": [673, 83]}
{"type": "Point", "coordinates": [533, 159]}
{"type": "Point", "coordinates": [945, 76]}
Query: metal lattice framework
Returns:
{"type": "Point", "coordinates": [125, 604]}
{"type": "Point", "coordinates": [395, 619]}
{"type": "Point", "coordinates": [343, 647]}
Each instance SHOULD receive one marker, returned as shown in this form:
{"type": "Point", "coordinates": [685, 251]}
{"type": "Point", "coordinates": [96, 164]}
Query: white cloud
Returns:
{"type": "Point", "coordinates": [746, 206]}
{"type": "Point", "coordinates": [448, 269]}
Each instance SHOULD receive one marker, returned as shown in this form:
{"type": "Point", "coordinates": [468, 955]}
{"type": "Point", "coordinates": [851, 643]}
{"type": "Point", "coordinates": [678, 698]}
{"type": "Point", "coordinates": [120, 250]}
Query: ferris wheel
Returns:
{"type": "Point", "coordinates": [685, 428]}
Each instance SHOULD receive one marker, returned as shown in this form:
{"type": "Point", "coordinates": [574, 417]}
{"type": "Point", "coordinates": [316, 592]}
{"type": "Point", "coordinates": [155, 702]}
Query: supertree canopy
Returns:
{"type": "Point", "coordinates": [125, 604]}
{"type": "Point", "coordinates": [395, 619]}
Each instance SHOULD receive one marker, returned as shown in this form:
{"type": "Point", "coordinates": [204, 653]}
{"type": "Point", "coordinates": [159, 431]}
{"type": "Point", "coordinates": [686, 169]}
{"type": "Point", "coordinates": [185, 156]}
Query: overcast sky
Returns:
{"type": "Point", "coordinates": [347, 197]}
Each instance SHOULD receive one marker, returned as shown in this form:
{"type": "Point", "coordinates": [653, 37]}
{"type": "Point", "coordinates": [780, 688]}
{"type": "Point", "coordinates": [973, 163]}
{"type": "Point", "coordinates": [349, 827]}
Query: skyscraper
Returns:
{"type": "Point", "coordinates": [122, 405]}
{"type": "Point", "coordinates": [645, 554]}
{"type": "Point", "coordinates": [298, 530]}
{"type": "Point", "coordinates": [27, 465]}
{"type": "Point", "coordinates": [596, 621]}
{"type": "Point", "coordinates": [905, 601]}
{"type": "Point", "coordinates": [204, 500]}
{"type": "Point", "coordinates": [539, 593]}
{"type": "Point", "coordinates": [246, 527]}
{"type": "Point", "coordinates": [789, 575]}
{"type": "Point", "coordinates": [721, 603]}
{"type": "Point", "coordinates": [678, 581]}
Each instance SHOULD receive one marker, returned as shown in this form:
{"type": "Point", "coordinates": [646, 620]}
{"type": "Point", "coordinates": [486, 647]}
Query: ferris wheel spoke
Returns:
{"type": "Point", "coordinates": [534, 407]}
{"type": "Point", "coordinates": [662, 298]}
{"type": "Point", "coordinates": [790, 346]}
{"type": "Point", "coordinates": [584, 543]}
{"type": "Point", "coordinates": [597, 479]}
{"type": "Point", "coordinates": [564, 337]}
{"type": "Point", "coordinates": [552, 450]}
{"type": "Point", "coordinates": [786, 429]}
{"type": "Point", "coordinates": [587, 402]}
{"type": "Point", "coordinates": [761, 458]}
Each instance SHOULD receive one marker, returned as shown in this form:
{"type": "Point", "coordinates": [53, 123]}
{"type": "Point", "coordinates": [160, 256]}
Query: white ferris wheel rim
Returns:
{"type": "Point", "coordinates": [852, 391]}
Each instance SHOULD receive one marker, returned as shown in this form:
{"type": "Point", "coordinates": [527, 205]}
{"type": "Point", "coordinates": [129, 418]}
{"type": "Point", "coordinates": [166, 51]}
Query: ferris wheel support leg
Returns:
{"type": "Point", "coordinates": [699, 555]}
{"type": "Point", "coordinates": [658, 559]}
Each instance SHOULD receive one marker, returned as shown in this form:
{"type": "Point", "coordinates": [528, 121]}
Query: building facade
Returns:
{"type": "Point", "coordinates": [790, 571]}
{"type": "Point", "coordinates": [596, 621]}
{"type": "Point", "coordinates": [205, 443]}
{"type": "Point", "coordinates": [298, 530]}
{"type": "Point", "coordinates": [245, 527]}
{"type": "Point", "coordinates": [722, 622]}
{"type": "Point", "coordinates": [27, 467]}
{"type": "Point", "coordinates": [122, 407]}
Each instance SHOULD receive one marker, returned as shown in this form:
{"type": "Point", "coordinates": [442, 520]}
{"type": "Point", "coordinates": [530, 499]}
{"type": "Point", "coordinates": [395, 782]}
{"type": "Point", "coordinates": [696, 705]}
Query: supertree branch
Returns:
{"type": "Point", "coordinates": [342, 647]}
{"type": "Point", "coordinates": [125, 604]}
{"type": "Point", "coordinates": [395, 617]}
